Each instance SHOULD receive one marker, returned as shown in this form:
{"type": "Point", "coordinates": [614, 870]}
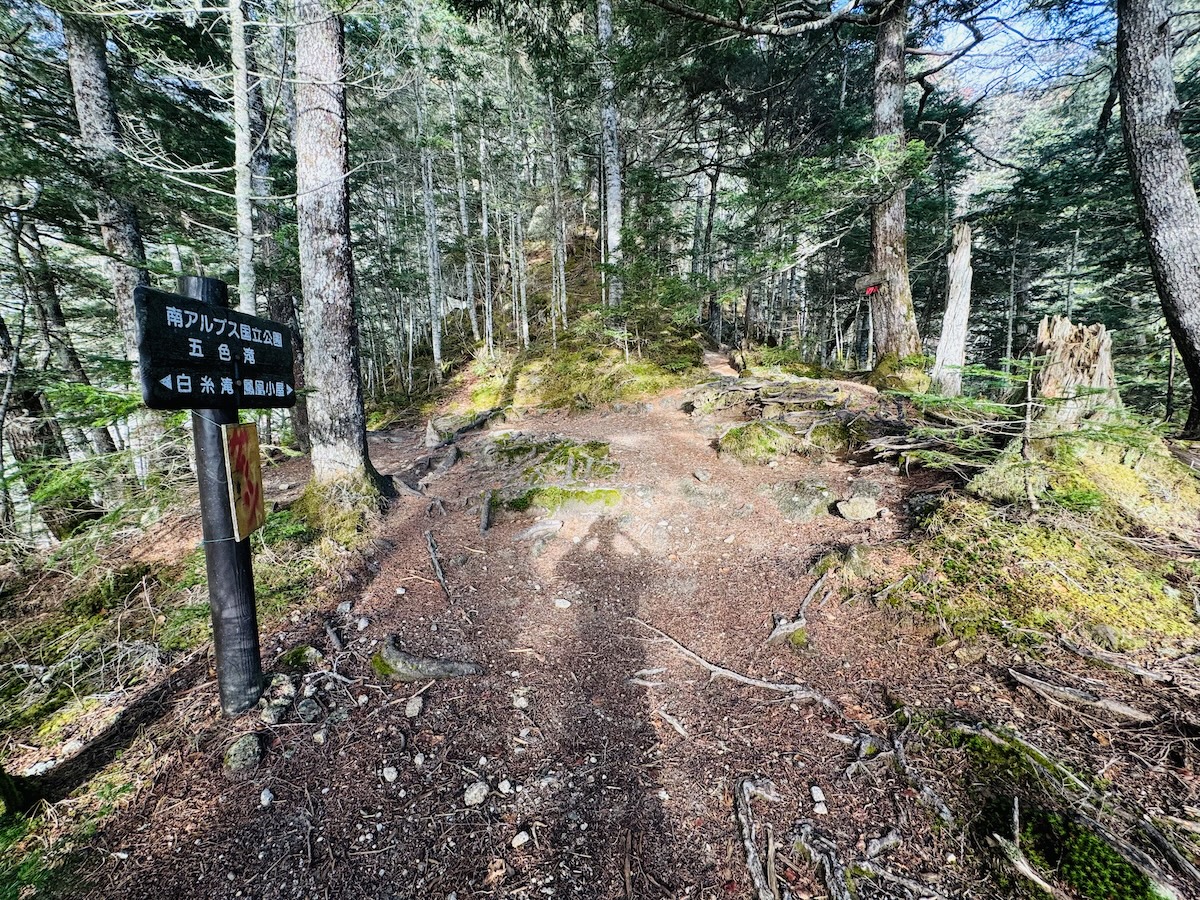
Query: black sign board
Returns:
{"type": "Point", "coordinates": [195, 355]}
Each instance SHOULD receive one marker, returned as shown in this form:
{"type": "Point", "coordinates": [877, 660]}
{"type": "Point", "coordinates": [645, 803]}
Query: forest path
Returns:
{"type": "Point", "coordinates": [610, 759]}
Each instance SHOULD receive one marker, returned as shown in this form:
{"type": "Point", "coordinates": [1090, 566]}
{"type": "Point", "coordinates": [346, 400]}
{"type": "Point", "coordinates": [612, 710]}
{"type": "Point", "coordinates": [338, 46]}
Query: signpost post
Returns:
{"type": "Point", "coordinates": [196, 354]}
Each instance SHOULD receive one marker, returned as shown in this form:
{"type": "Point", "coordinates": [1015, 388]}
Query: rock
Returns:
{"type": "Point", "coordinates": [476, 793]}
{"type": "Point", "coordinates": [968, 656]}
{"type": "Point", "coordinates": [390, 774]}
{"type": "Point", "coordinates": [520, 702]}
{"type": "Point", "coordinates": [275, 711]}
{"type": "Point", "coordinates": [858, 509]}
{"type": "Point", "coordinates": [244, 753]}
{"type": "Point", "coordinates": [520, 839]}
{"type": "Point", "coordinates": [418, 759]}
{"type": "Point", "coordinates": [504, 787]}
{"type": "Point", "coordinates": [308, 710]}
{"type": "Point", "coordinates": [1107, 637]}
{"type": "Point", "coordinates": [363, 622]}
{"type": "Point", "coordinates": [414, 707]}
{"type": "Point", "coordinates": [394, 663]}
{"type": "Point", "coordinates": [864, 487]}
{"type": "Point", "coordinates": [857, 562]}
{"type": "Point", "coordinates": [266, 798]}
{"type": "Point", "coordinates": [538, 530]}
{"type": "Point", "coordinates": [802, 501]}
{"type": "Point", "coordinates": [344, 607]}
{"type": "Point", "coordinates": [702, 475]}
{"type": "Point", "coordinates": [400, 592]}
{"type": "Point", "coordinates": [562, 603]}
{"type": "Point", "coordinates": [320, 736]}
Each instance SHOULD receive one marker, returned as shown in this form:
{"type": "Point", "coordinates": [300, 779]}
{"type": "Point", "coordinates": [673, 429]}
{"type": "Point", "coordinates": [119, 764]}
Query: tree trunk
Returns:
{"type": "Point", "coordinates": [952, 345]}
{"type": "Point", "coordinates": [1162, 180]}
{"type": "Point", "coordinates": [335, 407]}
{"type": "Point", "coordinates": [100, 135]}
{"type": "Point", "coordinates": [432, 251]}
{"type": "Point", "coordinates": [611, 152]}
{"type": "Point", "coordinates": [895, 324]}
{"type": "Point", "coordinates": [243, 149]}
{"type": "Point", "coordinates": [464, 223]}
{"type": "Point", "coordinates": [485, 238]}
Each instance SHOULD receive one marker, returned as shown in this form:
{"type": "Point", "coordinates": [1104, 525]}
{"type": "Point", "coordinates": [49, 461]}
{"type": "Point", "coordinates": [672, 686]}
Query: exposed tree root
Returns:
{"type": "Point", "coordinates": [760, 877]}
{"type": "Point", "coordinates": [824, 854]}
{"type": "Point", "coordinates": [1073, 697]}
{"type": "Point", "coordinates": [437, 566]}
{"type": "Point", "coordinates": [797, 692]}
{"type": "Point", "coordinates": [1114, 661]}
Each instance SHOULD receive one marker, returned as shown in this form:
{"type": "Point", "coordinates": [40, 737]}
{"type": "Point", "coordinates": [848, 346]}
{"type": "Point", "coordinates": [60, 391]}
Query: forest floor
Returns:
{"type": "Point", "coordinates": [611, 764]}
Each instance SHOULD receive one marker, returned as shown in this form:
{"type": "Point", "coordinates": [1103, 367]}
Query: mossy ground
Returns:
{"type": "Point", "coordinates": [758, 443]}
{"type": "Point", "coordinates": [552, 498]}
{"type": "Point", "coordinates": [983, 571]}
{"type": "Point", "coordinates": [340, 511]}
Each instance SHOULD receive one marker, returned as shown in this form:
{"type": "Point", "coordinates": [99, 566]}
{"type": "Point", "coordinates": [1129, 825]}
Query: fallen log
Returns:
{"type": "Point", "coordinates": [1071, 696]}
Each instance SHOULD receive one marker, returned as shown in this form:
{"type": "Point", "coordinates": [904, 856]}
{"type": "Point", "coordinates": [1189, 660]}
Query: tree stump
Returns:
{"type": "Point", "coordinates": [1075, 382]}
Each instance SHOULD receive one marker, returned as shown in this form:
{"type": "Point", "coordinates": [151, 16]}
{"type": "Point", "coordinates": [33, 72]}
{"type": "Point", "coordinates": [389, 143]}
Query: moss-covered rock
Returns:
{"type": "Point", "coordinates": [802, 501]}
{"type": "Point", "coordinates": [758, 442]}
{"type": "Point", "coordinates": [905, 375]}
{"type": "Point", "coordinates": [553, 498]}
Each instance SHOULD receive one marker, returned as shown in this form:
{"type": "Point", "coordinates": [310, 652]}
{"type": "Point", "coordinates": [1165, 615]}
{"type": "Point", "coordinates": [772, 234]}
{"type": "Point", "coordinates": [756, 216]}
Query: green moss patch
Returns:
{"type": "Point", "coordinates": [1045, 572]}
{"type": "Point", "coordinates": [758, 443]}
{"type": "Point", "coordinates": [553, 498]}
{"type": "Point", "coordinates": [340, 510]}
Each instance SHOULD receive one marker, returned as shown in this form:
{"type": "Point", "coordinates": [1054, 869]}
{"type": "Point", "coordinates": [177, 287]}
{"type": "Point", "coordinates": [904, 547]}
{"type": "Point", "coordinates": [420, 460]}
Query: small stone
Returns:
{"type": "Point", "coordinates": [419, 760]}
{"type": "Point", "coordinates": [858, 509]}
{"type": "Point", "coordinates": [390, 774]}
{"type": "Point", "coordinates": [414, 706]}
{"type": "Point", "coordinates": [476, 793]}
{"type": "Point", "coordinates": [702, 475]}
{"type": "Point", "coordinates": [308, 710]}
{"type": "Point", "coordinates": [275, 711]}
{"type": "Point", "coordinates": [363, 622]}
{"type": "Point", "coordinates": [400, 592]}
{"type": "Point", "coordinates": [520, 701]}
{"type": "Point", "coordinates": [885, 513]}
{"type": "Point", "coordinates": [729, 540]}
{"type": "Point", "coordinates": [244, 753]}
{"type": "Point", "coordinates": [344, 607]}
{"type": "Point", "coordinates": [320, 736]}
{"type": "Point", "coordinates": [504, 787]}
{"type": "Point", "coordinates": [817, 794]}
{"type": "Point", "coordinates": [562, 603]}
{"type": "Point", "coordinates": [520, 839]}
{"type": "Point", "coordinates": [266, 798]}
{"type": "Point", "coordinates": [820, 809]}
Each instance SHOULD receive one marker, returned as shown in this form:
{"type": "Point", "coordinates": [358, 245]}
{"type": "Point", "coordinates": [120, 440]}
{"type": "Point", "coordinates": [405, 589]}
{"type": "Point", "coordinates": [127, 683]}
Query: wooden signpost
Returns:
{"type": "Point", "coordinates": [196, 354]}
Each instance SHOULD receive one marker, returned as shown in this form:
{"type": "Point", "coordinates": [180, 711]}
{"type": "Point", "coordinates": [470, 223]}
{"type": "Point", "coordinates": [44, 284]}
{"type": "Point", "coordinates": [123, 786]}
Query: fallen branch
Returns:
{"type": "Point", "coordinates": [437, 566]}
{"type": "Point", "coordinates": [795, 691]}
{"type": "Point", "coordinates": [748, 788]}
{"type": "Point", "coordinates": [1025, 869]}
{"type": "Point", "coordinates": [1114, 661]}
{"type": "Point", "coordinates": [925, 793]}
{"type": "Point", "coordinates": [1081, 698]}
{"type": "Point", "coordinates": [335, 640]}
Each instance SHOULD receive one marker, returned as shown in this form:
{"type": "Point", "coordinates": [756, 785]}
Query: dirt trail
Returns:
{"type": "Point", "coordinates": [611, 760]}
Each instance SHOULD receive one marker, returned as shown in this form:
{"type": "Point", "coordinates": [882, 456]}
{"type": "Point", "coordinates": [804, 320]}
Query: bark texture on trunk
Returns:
{"type": "Point", "coordinates": [243, 151]}
{"type": "Point", "coordinates": [1162, 180]}
{"type": "Point", "coordinates": [952, 344]}
{"type": "Point", "coordinates": [895, 324]}
{"type": "Point", "coordinates": [464, 221]}
{"type": "Point", "coordinates": [610, 149]}
{"type": "Point", "coordinates": [337, 426]}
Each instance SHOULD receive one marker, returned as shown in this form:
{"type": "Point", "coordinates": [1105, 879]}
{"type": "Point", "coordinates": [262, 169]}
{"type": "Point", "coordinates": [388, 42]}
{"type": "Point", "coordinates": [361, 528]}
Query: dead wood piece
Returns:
{"type": "Point", "coordinates": [881, 845]}
{"type": "Point", "coordinates": [335, 640]}
{"type": "Point", "coordinates": [785, 628]}
{"type": "Point", "coordinates": [672, 721]}
{"type": "Point", "coordinates": [927, 795]}
{"type": "Point", "coordinates": [915, 887]}
{"type": "Point", "coordinates": [437, 566]}
{"type": "Point", "coordinates": [797, 692]}
{"type": "Point", "coordinates": [1023, 867]}
{"type": "Point", "coordinates": [1170, 851]}
{"type": "Point", "coordinates": [747, 789]}
{"type": "Point", "coordinates": [403, 666]}
{"type": "Point", "coordinates": [824, 855]}
{"type": "Point", "coordinates": [1114, 661]}
{"type": "Point", "coordinates": [1071, 696]}
{"type": "Point", "coordinates": [485, 512]}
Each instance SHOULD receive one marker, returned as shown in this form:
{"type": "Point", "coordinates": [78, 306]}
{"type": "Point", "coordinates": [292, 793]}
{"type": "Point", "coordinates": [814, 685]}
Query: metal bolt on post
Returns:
{"type": "Point", "coordinates": [228, 561]}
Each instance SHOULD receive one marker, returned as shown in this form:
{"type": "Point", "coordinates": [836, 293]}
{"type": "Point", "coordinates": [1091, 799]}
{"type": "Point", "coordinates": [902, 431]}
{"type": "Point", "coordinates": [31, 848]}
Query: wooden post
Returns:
{"type": "Point", "coordinates": [227, 560]}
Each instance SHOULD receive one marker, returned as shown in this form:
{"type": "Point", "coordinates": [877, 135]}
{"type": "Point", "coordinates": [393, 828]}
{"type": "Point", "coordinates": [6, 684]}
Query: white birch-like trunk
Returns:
{"type": "Point", "coordinates": [464, 222]}
{"type": "Point", "coordinates": [432, 253]}
{"type": "Point", "coordinates": [337, 424]}
{"type": "Point", "coordinates": [952, 345]}
{"type": "Point", "coordinates": [485, 237]}
{"type": "Point", "coordinates": [610, 151]}
{"type": "Point", "coordinates": [243, 149]}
